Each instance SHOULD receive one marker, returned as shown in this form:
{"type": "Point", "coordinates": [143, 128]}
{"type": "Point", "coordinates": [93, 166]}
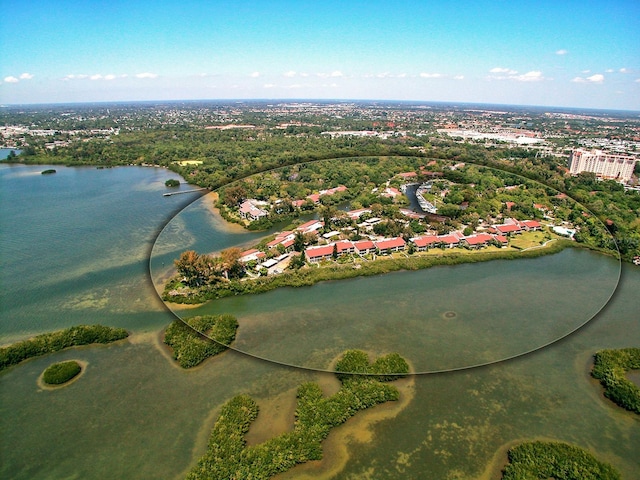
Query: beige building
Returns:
{"type": "Point", "coordinates": [606, 165]}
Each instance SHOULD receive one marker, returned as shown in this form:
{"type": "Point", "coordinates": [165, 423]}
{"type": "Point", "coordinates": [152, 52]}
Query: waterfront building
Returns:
{"type": "Point", "coordinates": [605, 165]}
{"type": "Point", "coordinates": [250, 209]}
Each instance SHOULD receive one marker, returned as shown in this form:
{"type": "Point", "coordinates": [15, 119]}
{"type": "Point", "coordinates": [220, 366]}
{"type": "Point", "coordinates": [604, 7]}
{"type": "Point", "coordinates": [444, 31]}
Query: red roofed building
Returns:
{"type": "Point", "coordinates": [391, 192]}
{"type": "Point", "coordinates": [252, 254]}
{"type": "Point", "coordinates": [358, 213]}
{"type": "Point", "coordinates": [450, 240]}
{"type": "Point", "coordinates": [331, 191]}
{"type": "Point", "coordinates": [364, 246]}
{"type": "Point", "coordinates": [407, 175]}
{"type": "Point", "coordinates": [280, 238]}
{"type": "Point", "coordinates": [477, 241]}
{"type": "Point", "coordinates": [531, 225]}
{"type": "Point", "coordinates": [287, 243]}
{"type": "Point", "coordinates": [319, 253]}
{"type": "Point", "coordinates": [390, 245]}
{"type": "Point", "coordinates": [250, 210]}
{"type": "Point", "coordinates": [502, 239]}
{"type": "Point", "coordinates": [310, 226]}
{"type": "Point", "coordinates": [345, 246]}
{"type": "Point", "coordinates": [423, 243]}
{"type": "Point", "coordinates": [508, 228]}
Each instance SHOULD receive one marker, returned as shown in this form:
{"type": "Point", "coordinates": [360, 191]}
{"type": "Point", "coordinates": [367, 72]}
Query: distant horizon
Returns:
{"type": "Point", "coordinates": [572, 54]}
{"type": "Point", "coordinates": [223, 101]}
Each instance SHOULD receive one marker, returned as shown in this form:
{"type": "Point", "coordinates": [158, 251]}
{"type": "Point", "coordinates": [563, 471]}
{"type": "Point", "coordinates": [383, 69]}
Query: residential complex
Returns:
{"type": "Point", "coordinates": [603, 164]}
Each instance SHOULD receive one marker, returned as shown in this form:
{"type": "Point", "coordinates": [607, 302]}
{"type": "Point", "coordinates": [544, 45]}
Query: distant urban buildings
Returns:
{"type": "Point", "coordinates": [603, 164]}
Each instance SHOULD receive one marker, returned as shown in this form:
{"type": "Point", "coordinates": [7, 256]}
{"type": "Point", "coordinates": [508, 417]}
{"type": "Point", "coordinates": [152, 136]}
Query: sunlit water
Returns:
{"type": "Point", "coordinates": [74, 248]}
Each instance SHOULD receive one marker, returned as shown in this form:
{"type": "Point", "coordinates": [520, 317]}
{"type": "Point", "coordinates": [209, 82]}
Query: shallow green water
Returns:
{"type": "Point", "coordinates": [133, 414]}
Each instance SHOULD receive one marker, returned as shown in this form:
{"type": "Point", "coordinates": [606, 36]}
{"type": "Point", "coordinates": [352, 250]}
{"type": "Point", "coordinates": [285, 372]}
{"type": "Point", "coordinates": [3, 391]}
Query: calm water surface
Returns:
{"type": "Point", "coordinates": [74, 248]}
{"type": "Point", "coordinates": [442, 318]}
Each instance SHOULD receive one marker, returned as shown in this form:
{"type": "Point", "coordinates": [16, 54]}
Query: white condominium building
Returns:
{"type": "Point", "coordinates": [603, 164]}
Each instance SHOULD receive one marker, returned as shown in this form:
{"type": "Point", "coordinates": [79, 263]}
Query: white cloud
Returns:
{"type": "Point", "coordinates": [12, 79]}
{"type": "Point", "coordinates": [458, 77]}
{"type": "Point", "coordinates": [431, 75]}
{"type": "Point", "coordinates": [334, 74]}
{"type": "Point", "coordinates": [255, 75]}
{"type": "Point", "coordinates": [111, 76]}
{"type": "Point", "coordinates": [76, 77]}
{"type": "Point", "coordinates": [637, 80]}
{"type": "Point", "coordinates": [146, 75]}
{"type": "Point", "coordinates": [269, 85]}
{"type": "Point", "coordinates": [586, 71]}
{"type": "Point", "coordinates": [97, 76]}
{"type": "Point", "coordinates": [562, 51]}
{"type": "Point", "coordinates": [533, 76]}
{"type": "Point", "coordinates": [596, 78]}
{"type": "Point", "coordinates": [609, 70]}
{"type": "Point", "coordinates": [508, 71]}
{"type": "Point", "coordinates": [385, 75]}
{"type": "Point", "coordinates": [624, 70]}
{"type": "Point", "coordinates": [289, 74]}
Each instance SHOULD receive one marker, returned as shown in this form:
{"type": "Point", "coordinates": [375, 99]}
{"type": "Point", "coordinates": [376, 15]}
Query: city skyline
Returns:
{"type": "Point", "coordinates": [563, 54]}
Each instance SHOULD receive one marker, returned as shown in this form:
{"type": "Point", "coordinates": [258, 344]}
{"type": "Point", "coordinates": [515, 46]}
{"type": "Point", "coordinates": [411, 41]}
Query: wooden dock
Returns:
{"type": "Point", "coordinates": [183, 191]}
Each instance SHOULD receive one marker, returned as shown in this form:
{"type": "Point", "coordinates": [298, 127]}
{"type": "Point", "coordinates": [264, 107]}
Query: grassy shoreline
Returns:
{"type": "Point", "coordinates": [312, 275]}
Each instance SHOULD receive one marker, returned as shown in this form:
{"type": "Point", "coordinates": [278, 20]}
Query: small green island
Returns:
{"type": "Point", "coordinates": [61, 373]}
{"type": "Point", "coordinates": [48, 171]}
{"type": "Point", "coordinates": [172, 182]}
{"type": "Point", "coordinates": [555, 460]}
{"type": "Point", "coordinates": [611, 367]}
{"type": "Point", "coordinates": [56, 341]}
{"type": "Point", "coordinates": [228, 456]}
{"type": "Point", "coordinates": [197, 338]}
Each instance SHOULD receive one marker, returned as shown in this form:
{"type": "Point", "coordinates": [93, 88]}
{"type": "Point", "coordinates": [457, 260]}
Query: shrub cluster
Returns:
{"type": "Point", "coordinates": [355, 363]}
{"type": "Point", "coordinates": [610, 367]}
{"type": "Point", "coordinates": [62, 372]}
{"type": "Point", "coordinates": [55, 341]}
{"type": "Point", "coordinates": [228, 456]}
{"type": "Point", "coordinates": [191, 348]}
{"type": "Point", "coordinates": [555, 460]}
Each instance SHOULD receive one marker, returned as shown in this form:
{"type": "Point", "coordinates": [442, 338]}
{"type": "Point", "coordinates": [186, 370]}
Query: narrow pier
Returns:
{"type": "Point", "coordinates": [183, 191]}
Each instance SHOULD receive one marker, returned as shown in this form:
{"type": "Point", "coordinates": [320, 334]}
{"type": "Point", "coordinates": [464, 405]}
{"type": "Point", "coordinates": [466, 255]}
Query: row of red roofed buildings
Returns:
{"type": "Point", "coordinates": [496, 235]}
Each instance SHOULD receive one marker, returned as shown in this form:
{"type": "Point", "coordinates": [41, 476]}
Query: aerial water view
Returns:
{"type": "Point", "coordinates": [320, 240]}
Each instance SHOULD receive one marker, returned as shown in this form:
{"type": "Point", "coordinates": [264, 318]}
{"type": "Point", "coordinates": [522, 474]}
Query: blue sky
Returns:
{"type": "Point", "coordinates": [555, 53]}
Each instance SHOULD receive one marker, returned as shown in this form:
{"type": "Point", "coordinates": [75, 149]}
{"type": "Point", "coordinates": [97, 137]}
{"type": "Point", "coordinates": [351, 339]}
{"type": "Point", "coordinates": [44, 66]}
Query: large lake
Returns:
{"type": "Point", "coordinates": [74, 249]}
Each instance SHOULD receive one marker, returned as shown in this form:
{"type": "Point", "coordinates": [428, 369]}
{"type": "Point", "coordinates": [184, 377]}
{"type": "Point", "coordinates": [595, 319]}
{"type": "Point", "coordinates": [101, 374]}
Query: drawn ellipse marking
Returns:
{"type": "Point", "coordinates": [511, 307]}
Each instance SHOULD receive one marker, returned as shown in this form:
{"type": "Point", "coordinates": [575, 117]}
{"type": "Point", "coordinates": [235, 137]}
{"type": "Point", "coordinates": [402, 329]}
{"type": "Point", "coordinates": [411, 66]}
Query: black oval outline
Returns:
{"type": "Point", "coordinates": [430, 372]}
